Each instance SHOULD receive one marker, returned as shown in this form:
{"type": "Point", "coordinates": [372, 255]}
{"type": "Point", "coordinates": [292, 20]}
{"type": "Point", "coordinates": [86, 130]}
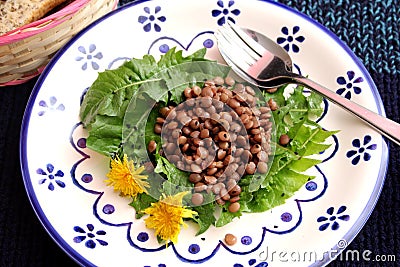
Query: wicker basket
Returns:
{"type": "Point", "coordinates": [24, 52]}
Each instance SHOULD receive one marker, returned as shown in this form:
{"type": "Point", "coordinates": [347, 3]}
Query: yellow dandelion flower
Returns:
{"type": "Point", "coordinates": [125, 178]}
{"type": "Point", "coordinates": [166, 216]}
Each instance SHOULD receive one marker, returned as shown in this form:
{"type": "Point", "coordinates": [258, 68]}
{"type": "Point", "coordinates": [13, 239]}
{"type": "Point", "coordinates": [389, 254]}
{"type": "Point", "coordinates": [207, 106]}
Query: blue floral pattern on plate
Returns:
{"type": "Point", "coordinates": [90, 236]}
{"type": "Point", "coordinates": [51, 105]}
{"type": "Point", "coordinates": [226, 11]}
{"type": "Point", "coordinates": [51, 177]}
{"type": "Point", "coordinates": [333, 218]}
{"type": "Point", "coordinates": [350, 84]}
{"type": "Point", "coordinates": [291, 39]}
{"type": "Point", "coordinates": [151, 19]}
{"type": "Point", "coordinates": [89, 57]}
{"type": "Point", "coordinates": [361, 150]}
{"type": "Point", "coordinates": [251, 262]}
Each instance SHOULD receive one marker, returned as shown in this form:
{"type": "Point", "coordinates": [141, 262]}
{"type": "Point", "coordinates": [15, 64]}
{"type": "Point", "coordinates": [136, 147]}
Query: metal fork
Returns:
{"type": "Point", "coordinates": [269, 66]}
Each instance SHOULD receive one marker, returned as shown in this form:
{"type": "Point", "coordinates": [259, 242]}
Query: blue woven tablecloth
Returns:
{"type": "Point", "coordinates": [370, 28]}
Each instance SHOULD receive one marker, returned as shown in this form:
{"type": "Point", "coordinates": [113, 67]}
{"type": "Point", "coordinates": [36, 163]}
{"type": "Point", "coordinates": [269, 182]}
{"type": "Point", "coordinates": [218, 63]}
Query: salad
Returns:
{"type": "Point", "coordinates": [188, 142]}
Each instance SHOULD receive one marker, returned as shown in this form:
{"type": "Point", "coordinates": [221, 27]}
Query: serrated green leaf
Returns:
{"type": "Point", "coordinates": [205, 217]}
{"type": "Point", "coordinates": [112, 88]}
{"type": "Point", "coordinates": [149, 130]}
{"type": "Point", "coordinates": [226, 216]}
{"type": "Point", "coordinates": [283, 156]}
{"type": "Point", "coordinates": [302, 164]}
{"type": "Point", "coordinates": [323, 135]}
{"type": "Point", "coordinates": [256, 182]}
{"type": "Point", "coordinates": [289, 181]}
{"type": "Point", "coordinates": [105, 135]}
{"type": "Point", "coordinates": [264, 199]}
{"type": "Point", "coordinates": [308, 141]}
{"type": "Point", "coordinates": [177, 180]}
{"type": "Point", "coordinates": [277, 96]}
{"type": "Point", "coordinates": [314, 102]}
{"type": "Point", "coordinates": [312, 147]}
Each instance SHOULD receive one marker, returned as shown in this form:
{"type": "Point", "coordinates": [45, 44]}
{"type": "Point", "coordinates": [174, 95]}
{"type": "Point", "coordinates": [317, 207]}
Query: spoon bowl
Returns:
{"type": "Point", "coordinates": [277, 50]}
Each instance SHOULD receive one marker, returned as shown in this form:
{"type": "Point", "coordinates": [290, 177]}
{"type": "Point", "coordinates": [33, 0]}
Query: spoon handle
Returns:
{"type": "Point", "coordinates": [386, 127]}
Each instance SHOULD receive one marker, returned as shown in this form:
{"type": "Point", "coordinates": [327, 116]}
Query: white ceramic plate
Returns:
{"type": "Point", "coordinates": [95, 226]}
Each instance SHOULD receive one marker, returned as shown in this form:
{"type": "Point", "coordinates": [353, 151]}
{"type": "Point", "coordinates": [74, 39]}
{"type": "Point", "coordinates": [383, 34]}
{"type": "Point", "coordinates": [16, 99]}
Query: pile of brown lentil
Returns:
{"type": "Point", "coordinates": [218, 134]}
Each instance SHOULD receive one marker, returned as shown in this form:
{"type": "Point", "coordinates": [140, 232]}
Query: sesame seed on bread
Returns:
{"type": "Point", "coordinates": [16, 13]}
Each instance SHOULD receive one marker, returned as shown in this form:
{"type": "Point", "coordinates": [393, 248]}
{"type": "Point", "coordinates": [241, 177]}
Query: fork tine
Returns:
{"type": "Point", "coordinates": [242, 61]}
{"type": "Point", "coordinates": [230, 35]}
{"type": "Point", "coordinates": [256, 47]}
{"type": "Point", "coordinates": [240, 67]}
{"type": "Point", "coordinates": [236, 46]}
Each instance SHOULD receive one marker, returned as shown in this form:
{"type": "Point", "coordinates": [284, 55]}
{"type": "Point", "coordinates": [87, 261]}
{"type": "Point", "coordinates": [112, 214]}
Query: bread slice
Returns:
{"type": "Point", "coordinates": [16, 13]}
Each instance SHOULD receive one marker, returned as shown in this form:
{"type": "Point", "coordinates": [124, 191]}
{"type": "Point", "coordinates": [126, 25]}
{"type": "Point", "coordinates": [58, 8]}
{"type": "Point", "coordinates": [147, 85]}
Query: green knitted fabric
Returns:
{"type": "Point", "coordinates": [369, 28]}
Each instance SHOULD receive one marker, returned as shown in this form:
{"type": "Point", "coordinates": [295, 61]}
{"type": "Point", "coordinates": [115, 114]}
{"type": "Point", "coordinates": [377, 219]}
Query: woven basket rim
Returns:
{"type": "Point", "coordinates": [42, 24]}
{"type": "Point", "coordinates": [41, 28]}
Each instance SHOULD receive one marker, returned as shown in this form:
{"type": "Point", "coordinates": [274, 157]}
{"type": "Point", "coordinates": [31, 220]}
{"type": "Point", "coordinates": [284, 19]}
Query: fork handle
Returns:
{"type": "Point", "coordinates": [385, 126]}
